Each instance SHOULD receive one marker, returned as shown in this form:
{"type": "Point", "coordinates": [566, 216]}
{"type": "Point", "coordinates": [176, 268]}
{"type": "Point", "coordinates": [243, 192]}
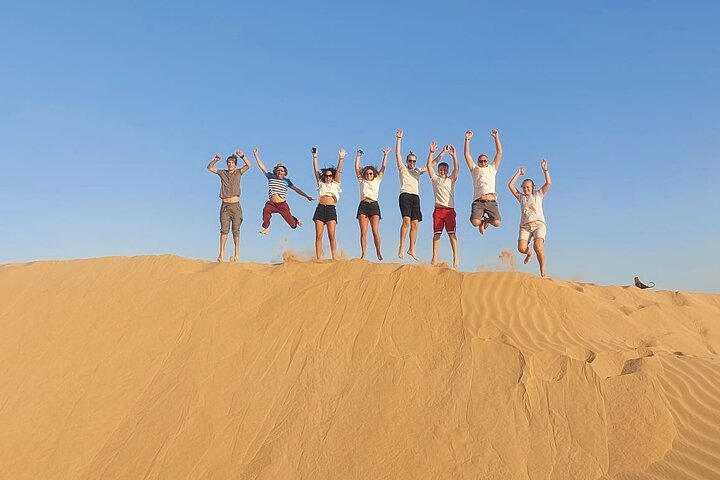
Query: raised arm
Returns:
{"type": "Point", "coordinates": [398, 148]}
{"type": "Point", "coordinates": [358, 154]}
{"type": "Point", "coordinates": [256, 154]}
{"type": "Point", "coordinates": [498, 149]}
{"type": "Point", "coordinates": [303, 194]}
{"type": "Point", "coordinates": [548, 182]}
{"type": "Point", "coordinates": [386, 151]}
{"type": "Point", "coordinates": [338, 169]}
{"type": "Point", "coordinates": [239, 154]}
{"type": "Point", "coordinates": [511, 184]}
{"type": "Point", "coordinates": [430, 164]}
{"type": "Point", "coordinates": [466, 150]}
{"type": "Point", "coordinates": [316, 174]}
{"type": "Point", "coordinates": [211, 166]}
{"type": "Point", "coordinates": [456, 165]}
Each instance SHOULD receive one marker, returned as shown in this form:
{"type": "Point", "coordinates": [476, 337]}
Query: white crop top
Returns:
{"type": "Point", "coordinates": [370, 188]}
{"type": "Point", "coordinates": [329, 189]}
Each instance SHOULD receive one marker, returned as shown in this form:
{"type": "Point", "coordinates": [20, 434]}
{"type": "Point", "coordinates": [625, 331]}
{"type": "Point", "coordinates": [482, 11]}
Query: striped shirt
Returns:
{"type": "Point", "coordinates": [277, 187]}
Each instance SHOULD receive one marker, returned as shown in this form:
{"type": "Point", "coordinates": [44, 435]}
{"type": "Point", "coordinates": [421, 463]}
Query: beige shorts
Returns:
{"type": "Point", "coordinates": [536, 229]}
{"type": "Point", "coordinates": [230, 214]}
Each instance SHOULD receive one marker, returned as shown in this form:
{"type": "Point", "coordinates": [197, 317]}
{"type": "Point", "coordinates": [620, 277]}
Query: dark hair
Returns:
{"type": "Point", "coordinates": [280, 165]}
{"type": "Point", "coordinates": [369, 167]}
{"type": "Point", "coordinates": [444, 164]}
{"type": "Point", "coordinates": [332, 170]}
{"type": "Point", "coordinates": [531, 183]}
{"type": "Point", "coordinates": [410, 154]}
{"type": "Point", "coordinates": [234, 158]}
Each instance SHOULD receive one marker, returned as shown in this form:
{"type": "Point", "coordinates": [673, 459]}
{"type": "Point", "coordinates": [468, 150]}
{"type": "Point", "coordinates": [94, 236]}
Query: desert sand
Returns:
{"type": "Point", "coordinates": [161, 367]}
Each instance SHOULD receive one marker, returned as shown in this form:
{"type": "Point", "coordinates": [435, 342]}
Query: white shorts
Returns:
{"type": "Point", "coordinates": [536, 229]}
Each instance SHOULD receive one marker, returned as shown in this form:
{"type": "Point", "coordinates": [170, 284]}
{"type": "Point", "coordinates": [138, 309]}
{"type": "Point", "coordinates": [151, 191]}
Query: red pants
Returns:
{"type": "Point", "coordinates": [444, 217]}
{"type": "Point", "coordinates": [283, 209]}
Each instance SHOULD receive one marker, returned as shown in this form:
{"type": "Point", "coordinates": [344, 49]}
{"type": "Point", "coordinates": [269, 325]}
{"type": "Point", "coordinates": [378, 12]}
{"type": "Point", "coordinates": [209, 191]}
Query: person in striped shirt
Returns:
{"type": "Point", "coordinates": [278, 185]}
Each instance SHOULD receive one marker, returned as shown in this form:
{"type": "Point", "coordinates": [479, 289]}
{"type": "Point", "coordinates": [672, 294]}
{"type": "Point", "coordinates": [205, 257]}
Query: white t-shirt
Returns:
{"type": "Point", "coordinates": [369, 188]}
{"type": "Point", "coordinates": [531, 209]}
{"type": "Point", "coordinates": [409, 179]}
{"type": "Point", "coordinates": [483, 180]}
{"type": "Point", "coordinates": [329, 189]}
{"type": "Point", "coordinates": [444, 190]}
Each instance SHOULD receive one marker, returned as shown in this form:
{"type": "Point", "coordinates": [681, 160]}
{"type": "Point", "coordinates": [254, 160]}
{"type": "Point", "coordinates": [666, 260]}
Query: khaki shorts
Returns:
{"type": "Point", "coordinates": [536, 229]}
{"type": "Point", "coordinates": [230, 213]}
{"type": "Point", "coordinates": [481, 208]}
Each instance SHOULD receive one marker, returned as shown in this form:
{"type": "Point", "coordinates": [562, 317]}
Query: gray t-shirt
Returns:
{"type": "Point", "coordinates": [229, 183]}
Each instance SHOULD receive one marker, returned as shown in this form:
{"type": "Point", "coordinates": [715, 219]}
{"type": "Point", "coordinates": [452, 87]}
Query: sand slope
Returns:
{"type": "Point", "coordinates": [162, 367]}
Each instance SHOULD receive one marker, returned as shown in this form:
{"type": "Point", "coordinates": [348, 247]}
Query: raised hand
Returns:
{"type": "Point", "coordinates": [239, 153]}
{"type": "Point", "coordinates": [446, 148]}
{"type": "Point", "coordinates": [399, 133]}
{"type": "Point", "coordinates": [494, 133]}
{"type": "Point", "coordinates": [468, 135]}
{"type": "Point", "coordinates": [256, 150]}
{"type": "Point", "coordinates": [433, 146]}
{"type": "Point", "coordinates": [217, 158]}
{"type": "Point", "coordinates": [386, 150]}
{"type": "Point", "coordinates": [543, 164]}
{"type": "Point", "coordinates": [521, 171]}
{"type": "Point", "coordinates": [342, 153]}
{"type": "Point", "coordinates": [451, 149]}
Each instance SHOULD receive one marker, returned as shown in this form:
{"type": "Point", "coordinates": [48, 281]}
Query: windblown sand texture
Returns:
{"type": "Point", "coordinates": [167, 368]}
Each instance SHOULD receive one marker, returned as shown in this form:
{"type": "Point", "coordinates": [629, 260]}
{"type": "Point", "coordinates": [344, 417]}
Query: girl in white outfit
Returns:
{"type": "Point", "coordinates": [368, 211]}
{"type": "Point", "coordinates": [532, 218]}
{"type": "Point", "coordinates": [328, 187]}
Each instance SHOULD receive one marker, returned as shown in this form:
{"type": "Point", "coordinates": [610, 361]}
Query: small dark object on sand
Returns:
{"type": "Point", "coordinates": [641, 285]}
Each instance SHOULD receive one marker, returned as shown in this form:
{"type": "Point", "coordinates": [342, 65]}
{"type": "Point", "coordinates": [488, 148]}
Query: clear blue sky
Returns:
{"type": "Point", "coordinates": [110, 112]}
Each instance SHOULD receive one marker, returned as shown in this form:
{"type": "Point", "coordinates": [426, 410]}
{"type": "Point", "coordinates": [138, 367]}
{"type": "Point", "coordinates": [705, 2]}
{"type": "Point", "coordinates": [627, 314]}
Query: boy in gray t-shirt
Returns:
{"type": "Point", "coordinates": [230, 211]}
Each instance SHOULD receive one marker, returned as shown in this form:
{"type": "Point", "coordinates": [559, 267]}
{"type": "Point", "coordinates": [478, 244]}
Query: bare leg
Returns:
{"type": "Point", "coordinates": [223, 241]}
{"type": "Point", "coordinates": [264, 231]}
{"type": "Point", "coordinates": [454, 245]}
{"type": "Point", "coordinates": [539, 245]}
{"type": "Point", "coordinates": [331, 237]}
{"type": "Point", "coordinates": [363, 220]}
{"type": "Point", "coordinates": [375, 224]}
{"type": "Point", "coordinates": [236, 244]}
{"type": "Point", "coordinates": [403, 231]}
{"type": "Point", "coordinates": [436, 246]}
{"type": "Point", "coordinates": [524, 247]}
{"type": "Point", "coordinates": [413, 237]}
{"type": "Point", "coordinates": [482, 226]}
{"type": "Point", "coordinates": [319, 227]}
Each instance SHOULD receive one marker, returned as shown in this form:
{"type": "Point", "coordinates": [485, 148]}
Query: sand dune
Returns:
{"type": "Point", "coordinates": [163, 367]}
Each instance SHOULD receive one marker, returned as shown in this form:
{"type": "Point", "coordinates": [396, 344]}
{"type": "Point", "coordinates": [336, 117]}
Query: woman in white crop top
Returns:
{"type": "Point", "coordinates": [328, 187]}
{"type": "Point", "coordinates": [532, 218]}
{"type": "Point", "coordinates": [368, 211]}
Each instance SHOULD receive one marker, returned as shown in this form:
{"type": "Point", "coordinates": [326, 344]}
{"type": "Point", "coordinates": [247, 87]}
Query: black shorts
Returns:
{"type": "Point", "coordinates": [368, 209]}
{"type": "Point", "coordinates": [325, 213]}
{"type": "Point", "coordinates": [410, 206]}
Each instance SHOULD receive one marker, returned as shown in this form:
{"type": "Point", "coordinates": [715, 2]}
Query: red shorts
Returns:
{"type": "Point", "coordinates": [443, 217]}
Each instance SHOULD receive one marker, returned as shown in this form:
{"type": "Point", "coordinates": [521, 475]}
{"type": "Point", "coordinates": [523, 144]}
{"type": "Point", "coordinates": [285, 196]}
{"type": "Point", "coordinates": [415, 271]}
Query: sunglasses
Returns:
{"type": "Point", "coordinates": [328, 175]}
{"type": "Point", "coordinates": [482, 161]}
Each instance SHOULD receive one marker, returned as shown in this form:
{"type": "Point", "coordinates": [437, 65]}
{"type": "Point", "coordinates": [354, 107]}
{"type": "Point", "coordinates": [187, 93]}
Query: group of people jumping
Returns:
{"type": "Point", "coordinates": [484, 210]}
